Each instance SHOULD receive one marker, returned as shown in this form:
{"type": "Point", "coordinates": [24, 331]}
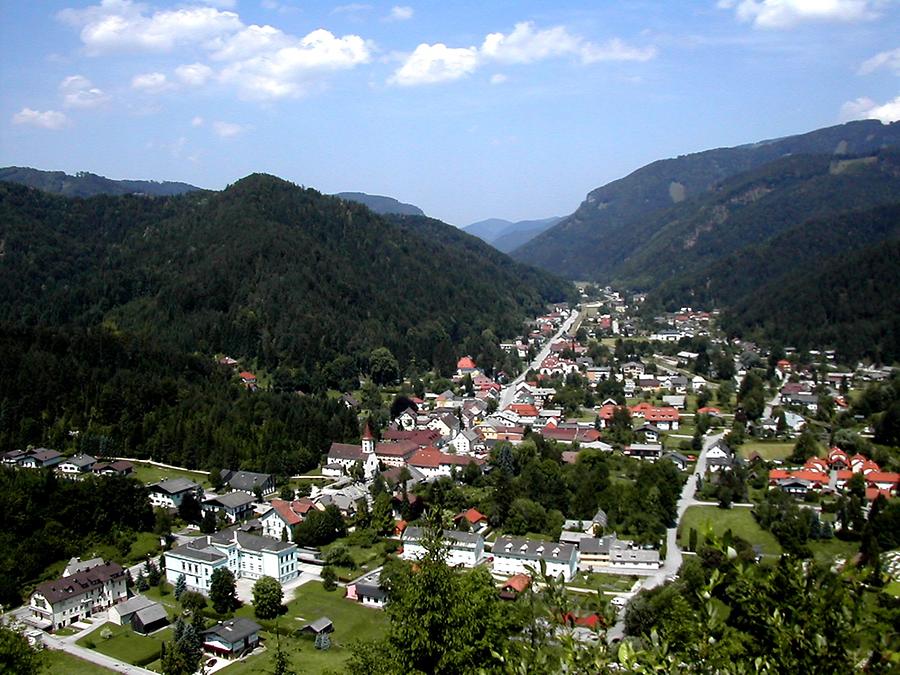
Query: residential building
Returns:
{"type": "Point", "coordinates": [249, 481]}
{"type": "Point", "coordinates": [141, 613]}
{"type": "Point", "coordinates": [464, 549]}
{"type": "Point", "coordinates": [278, 523]}
{"type": "Point", "coordinates": [41, 458]}
{"type": "Point", "coordinates": [524, 556]}
{"type": "Point", "coordinates": [75, 467]}
{"type": "Point", "coordinates": [367, 590]}
{"type": "Point", "coordinates": [169, 493]}
{"type": "Point", "coordinates": [234, 506]}
{"type": "Point", "coordinates": [62, 602]}
{"type": "Point", "coordinates": [231, 639]}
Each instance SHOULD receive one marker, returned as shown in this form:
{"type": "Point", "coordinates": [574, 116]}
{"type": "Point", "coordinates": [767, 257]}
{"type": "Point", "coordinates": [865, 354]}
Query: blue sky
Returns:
{"type": "Point", "coordinates": [469, 110]}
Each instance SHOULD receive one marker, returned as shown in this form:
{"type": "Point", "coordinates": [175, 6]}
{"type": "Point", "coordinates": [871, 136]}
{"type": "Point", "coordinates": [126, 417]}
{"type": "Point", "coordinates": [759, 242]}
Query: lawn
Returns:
{"type": "Point", "coordinates": [125, 644]}
{"type": "Point", "coordinates": [351, 620]}
{"type": "Point", "coordinates": [603, 582]}
{"type": "Point", "coordinates": [60, 662]}
{"type": "Point", "coordinates": [893, 588]}
{"type": "Point", "coordinates": [147, 473]}
{"type": "Point", "coordinates": [827, 551]}
{"type": "Point", "coordinates": [739, 520]}
{"type": "Point", "coordinates": [768, 450]}
{"type": "Point", "coordinates": [366, 557]}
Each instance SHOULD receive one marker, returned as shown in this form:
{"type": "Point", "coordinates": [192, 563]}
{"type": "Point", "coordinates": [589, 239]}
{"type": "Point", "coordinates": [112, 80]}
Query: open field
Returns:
{"type": "Point", "coordinates": [739, 520]}
{"type": "Point", "coordinates": [603, 582]}
{"type": "Point", "coordinates": [126, 645]}
{"type": "Point", "coordinates": [58, 663]}
{"type": "Point", "coordinates": [147, 473]}
{"type": "Point", "coordinates": [352, 622]}
{"type": "Point", "coordinates": [768, 450]}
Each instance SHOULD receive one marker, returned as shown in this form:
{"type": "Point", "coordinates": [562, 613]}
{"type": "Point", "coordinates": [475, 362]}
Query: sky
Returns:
{"type": "Point", "coordinates": [470, 110]}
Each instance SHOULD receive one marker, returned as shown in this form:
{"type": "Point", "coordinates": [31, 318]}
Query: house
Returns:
{"type": "Point", "coordinates": [231, 639]}
{"type": "Point", "coordinates": [120, 467]}
{"type": "Point", "coordinates": [632, 369]}
{"type": "Point", "coordinates": [62, 602]}
{"type": "Point", "coordinates": [594, 552]}
{"type": "Point", "coordinates": [651, 451]}
{"type": "Point", "coordinates": [41, 458]}
{"type": "Point", "coordinates": [515, 586]}
{"type": "Point", "coordinates": [248, 481]}
{"type": "Point", "coordinates": [477, 521]}
{"type": "Point", "coordinates": [464, 549]}
{"type": "Point", "coordinates": [524, 556]}
{"type": "Point", "coordinates": [367, 590]}
{"type": "Point", "coordinates": [679, 460]}
{"type": "Point", "coordinates": [466, 442]}
{"type": "Point", "coordinates": [75, 467]}
{"type": "Point", "coordinates": [248, 379]}
{"type": "Point", "coordinates": [142, 614]}
{"type": "Point", "coordinates": [651, 432]}
{"type": "Point", "coordinates": [346, 497]}
{"type": "Point", "coordinates": [446, 424]}
{"type": "Point", "coordinates": [433, 463]}
{"type": "Point", "coordinates": [663, 417]}
{"type": "Point", "coordinates": [279, 521]}
{"type": "Point", "coordinates": [676, 402]}
{"type": "Point", "coordinates": [634, 559]}
{"type": "Point", "coordinates": [246, 555]}
{"type": "Point", "coordinates": [466, 366]}
{"type": "Point", "coordinates": [396, 453]}
{"type": "Point", "coordinates": [234, 506]}
{"type": "Point", "coordinates": [78, 565]}
{"type": "Point", "coordinates": [169, 493]}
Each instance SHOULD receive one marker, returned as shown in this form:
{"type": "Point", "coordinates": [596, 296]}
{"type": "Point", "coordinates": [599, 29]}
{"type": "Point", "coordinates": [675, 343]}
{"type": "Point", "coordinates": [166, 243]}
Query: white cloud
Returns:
{"type": "Point", "coordinates": [525, 44]}
{"type": "Point", "coordinates": [429, 64]}
{"type": "Point", "coordinates": [79, 92]}
{"type": "Point", "coordinates": [194, 74]}
{"type": "Point", "coordinates": [249, 42]}
{"type": "Point", "coordinates": [227, 129]}
{"type": "Point", "coordinates": [47, 119]}
{"type": "Point", "coordinates": [122, 25]}
{"type": "Point", "coordinates": [498, 78]}
{"type": "Point", "coordinates": [781, 14]}
{"type": "Point", "coordinates": [400, 13]}
{"type": "Point", "coordinates": [197, 121]}
{"type": "Point", "coordinates": [289, 70]}
{"type": "Point", "coordinates": [152, 83]}
{"type": "Point", "coordinates": [866, 108]}
{"type": "Point", "coordinates": [889, 59]}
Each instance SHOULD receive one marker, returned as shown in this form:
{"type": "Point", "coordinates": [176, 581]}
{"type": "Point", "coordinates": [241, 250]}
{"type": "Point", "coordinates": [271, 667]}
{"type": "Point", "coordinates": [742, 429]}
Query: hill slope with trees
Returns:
{"type": "Point", "coordinates": [590, 243]}
{"type": "Point", "coordinates": [85, 184]}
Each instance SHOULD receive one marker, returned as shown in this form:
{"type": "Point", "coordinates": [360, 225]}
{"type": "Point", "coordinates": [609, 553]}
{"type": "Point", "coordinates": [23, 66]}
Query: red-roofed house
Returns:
{"type": "Point", "coordinates": [284, 515]}
{"type": "Point", "coordinates": [883, 480]}
{"type": "Point", "coordinates": [433, 463]}
{"type": "Point", "coordinates": [515, 585]}
{"type": "Point", "coordinates": [477, 521]}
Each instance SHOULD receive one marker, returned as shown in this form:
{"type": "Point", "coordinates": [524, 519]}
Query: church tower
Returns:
{"type": "Point", "coordinates": [368, 440]}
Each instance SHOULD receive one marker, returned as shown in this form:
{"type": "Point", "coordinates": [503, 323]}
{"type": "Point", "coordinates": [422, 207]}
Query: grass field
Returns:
{"type": "Point", "coordinates": [125, 644]}
{"type": "Point", "coordinates": [739, 520]}
{"type": "Point", "coordinates": [893, 588]}
{"type": "Point", "coordinates": [146, 473]}
{"type": "Point", "coordinates": [603, 582]}
{"type": "Point", "coordinates": [59, 663]}
{"type": "Point", "coordinates": [768, 450]}
{"type": "Point", "coordinates": [827, 551]}
{"type": "Point", "coordinates": [352, 622]}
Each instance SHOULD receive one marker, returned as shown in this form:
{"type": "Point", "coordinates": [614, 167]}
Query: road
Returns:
{"type": "Point", "coordinates": [67, 644]}
{"type": "Point", "coordinates": [509, 391]}
{"type": "Point", "coordinates": [673, 559]}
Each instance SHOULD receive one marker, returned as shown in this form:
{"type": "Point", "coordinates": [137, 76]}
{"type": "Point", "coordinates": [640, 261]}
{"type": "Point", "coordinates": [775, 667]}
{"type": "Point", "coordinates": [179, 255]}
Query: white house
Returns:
{"type": "Point", "coordinates": [246, 555]}
{"type": "Point", "coordinates": [279, 521]}
{"type": "Point", "coordinates": [232, 638]}
{"type": "Point", "coordinates": [169, 493]}
{"type": "Point", "coordinates": [464, 549]}
{"type": "Point", "coordinates": [234, 505]}
{"type": "Point", "coordinates": [516, 556]}
{"type": "Point", "coordinates": [62, 602]}
{"type": "Point", "coordinates": [465, 442]}
{"type": "Point", "coordinates": [73, 467]}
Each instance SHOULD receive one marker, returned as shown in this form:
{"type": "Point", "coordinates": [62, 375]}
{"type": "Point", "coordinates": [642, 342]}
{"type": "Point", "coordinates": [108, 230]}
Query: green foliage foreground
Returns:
{"type": "Point", "coordinates": [724, 615]}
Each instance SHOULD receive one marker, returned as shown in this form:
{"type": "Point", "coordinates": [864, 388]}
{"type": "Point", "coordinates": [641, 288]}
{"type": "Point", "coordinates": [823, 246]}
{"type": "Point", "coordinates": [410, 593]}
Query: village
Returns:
{"type": "Point", "coordinates": [598, 384]}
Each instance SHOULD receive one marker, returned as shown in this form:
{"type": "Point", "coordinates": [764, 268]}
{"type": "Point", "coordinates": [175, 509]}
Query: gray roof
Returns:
{"type": "Point", "coordinates": [244, 480]}
{"type": "Point", "coordinates": [323, 623]}
{"type": "Point", "coordinates": [232, 500]}
{"type": "Point", "coordinates": [602, 545]}
{"type": "Point", "coordinates": [200, 550]}
{"type": "Point", "coordinates": [531, 549]}
{"type": "Point", "coordinates": [250, 541]}
{"type": "Point", "coordinates": [345, 451]}
{"type": "Point", "coordinates": [133, 605]}
{"type": "Point", "coordinates": [455, 536]}
{"type": "Point", "coordinates": [152, 613]}
{"type": "Point", "coordinates": [76, 565]}
{"type": "Point", "coordinates": [174, 486]}
{"type": "Point", "coordinates": [234, 630]}
{"type": "Point", "coordinates": [371, 591]}
{"type": "Point", "coordinates": [633, 555]}
{"type": "Point", "coordinates": [81, 461]}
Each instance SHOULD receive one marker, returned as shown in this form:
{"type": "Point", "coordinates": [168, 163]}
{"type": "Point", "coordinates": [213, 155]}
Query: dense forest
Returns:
{"type": "Point", "coordinates": [591, 243]}
{"type": "Point", "coordinates": [84, 184]}
{"type": "Point", "coordinates": [264, 271]}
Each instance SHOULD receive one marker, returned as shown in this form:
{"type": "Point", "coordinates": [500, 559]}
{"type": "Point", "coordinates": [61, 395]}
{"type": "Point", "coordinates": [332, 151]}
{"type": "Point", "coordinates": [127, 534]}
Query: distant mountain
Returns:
{"type": "Point", "coordinates": [505, 235]}
{"type": "Point", "coordinates": [380, 204]}
{"type": "Point", "coordinates": [607, 227]}
{"type": "Point", "coordinates": [84, 184]}
{"type": "Point", "coordinates": [264, 271]}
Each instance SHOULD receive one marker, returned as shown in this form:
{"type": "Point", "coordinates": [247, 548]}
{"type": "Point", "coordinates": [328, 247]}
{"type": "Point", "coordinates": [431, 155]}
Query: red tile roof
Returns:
{"type": "Point", "coordinates": [517, 583]}
{"type": "Point", "coordinates": [465, 363]}
{"type": "Point", "coordinates": [472, 516]}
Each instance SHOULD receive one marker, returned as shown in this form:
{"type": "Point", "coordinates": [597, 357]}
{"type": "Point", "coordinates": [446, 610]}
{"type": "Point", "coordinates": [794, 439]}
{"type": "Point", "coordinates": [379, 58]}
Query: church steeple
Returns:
{"type": "Point", "coordinates": [368, 440]}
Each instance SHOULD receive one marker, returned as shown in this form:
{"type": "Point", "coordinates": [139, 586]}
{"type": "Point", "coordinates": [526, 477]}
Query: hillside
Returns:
{"type": "Point", "coordinates": [380, 204]}
{"type": "Point", "coordinates": [590, 243]}
{"type": "Point", "coordinates": [265, 271]}
{"type": "Point", "coordinates": [84, 184]}
{"type": "Point", "coordinates": [752, 207]}
{"type": "Point", "coordinates": [505, 235]}
{"type": "Point", "coordinates": [848, 302]}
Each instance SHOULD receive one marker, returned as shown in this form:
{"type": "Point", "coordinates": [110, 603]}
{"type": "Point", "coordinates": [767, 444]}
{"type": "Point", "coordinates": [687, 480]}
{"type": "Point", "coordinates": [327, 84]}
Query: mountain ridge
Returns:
{"type": "Point", "coordinates": [86, 184]}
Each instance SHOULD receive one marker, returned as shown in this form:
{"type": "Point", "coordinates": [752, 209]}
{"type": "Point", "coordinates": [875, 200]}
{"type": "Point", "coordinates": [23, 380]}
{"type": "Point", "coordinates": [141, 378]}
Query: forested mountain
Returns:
{"type": "Point", "coordinates": [380, 204]}
{"type": "Point", "coordinates": [591, 242]}
{"type": "Point", "coordinates": [849, 302]}
{"type": "Point", "coordinates": [753, 206]}
{"type": "Point", "coordinates": [84, 184]}
{"type": "Point", "coordinates": [507, 236]}
{"type": "Point", "coordinates": [263, 271]}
